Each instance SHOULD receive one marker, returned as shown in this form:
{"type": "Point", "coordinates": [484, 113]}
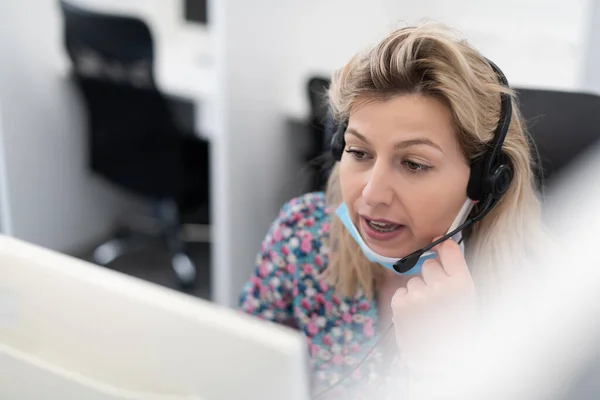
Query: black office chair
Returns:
{"type": "Point", "coordinates": [134, 141]}
{"type": "Point", "coordinates": [320, 125]}
{"type": "Point", "coordinates": [563, 126]}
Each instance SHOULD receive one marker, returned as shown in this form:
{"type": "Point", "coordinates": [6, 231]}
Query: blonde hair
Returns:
{"type": "Point", "coordinates": [432, 61]}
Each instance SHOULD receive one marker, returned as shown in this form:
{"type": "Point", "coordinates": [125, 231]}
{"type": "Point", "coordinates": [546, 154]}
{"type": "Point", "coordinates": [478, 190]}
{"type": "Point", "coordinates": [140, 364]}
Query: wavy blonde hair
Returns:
{"type": "Point", "coordinates": [433, 60]}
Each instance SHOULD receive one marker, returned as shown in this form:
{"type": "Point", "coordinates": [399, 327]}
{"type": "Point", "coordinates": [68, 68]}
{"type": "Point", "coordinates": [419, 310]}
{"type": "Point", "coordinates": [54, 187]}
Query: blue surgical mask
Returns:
{"type": "Point", "coordinates": [387, 262]}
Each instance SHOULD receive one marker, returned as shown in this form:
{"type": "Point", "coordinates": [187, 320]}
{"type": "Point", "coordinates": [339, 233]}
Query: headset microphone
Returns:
{"type": "Point", "coordinates": [407, 263]}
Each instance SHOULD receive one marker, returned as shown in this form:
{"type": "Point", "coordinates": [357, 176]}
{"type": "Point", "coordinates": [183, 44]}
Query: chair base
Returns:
{"type": "Point", "coordinates": [183, 266]}
{"type": "Point", "coordinates": [165, 225]}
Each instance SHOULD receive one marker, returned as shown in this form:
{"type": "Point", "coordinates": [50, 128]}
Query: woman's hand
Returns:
{"type": "Point", "coordinates": [435, 314]}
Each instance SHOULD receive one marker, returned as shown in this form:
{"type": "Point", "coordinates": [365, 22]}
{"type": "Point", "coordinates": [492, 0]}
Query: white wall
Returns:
{"type": "Point", "coordinates": [266, 50]}
{"type": "Point", "coordinates": [248, 138]}
{"type": "Point", "coordinates": [537, 43]}
{"type": "Point", "coordinates": [591, 73]}
{"type": "Point", "coordinates": [53, 201]}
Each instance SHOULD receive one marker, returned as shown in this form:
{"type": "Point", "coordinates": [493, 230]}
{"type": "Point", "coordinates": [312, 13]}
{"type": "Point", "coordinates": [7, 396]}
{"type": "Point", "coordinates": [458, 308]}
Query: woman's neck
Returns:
{"type": "Point", "coordinates": [386, 287]}
{"type": "Point", "coordinates": [389, 277]}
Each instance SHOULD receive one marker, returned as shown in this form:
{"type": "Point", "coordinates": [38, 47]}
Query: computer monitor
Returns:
{"type": "Point", "coordinates": [73, 330]}
{"type": "Point", "coordinates": [196, 11]}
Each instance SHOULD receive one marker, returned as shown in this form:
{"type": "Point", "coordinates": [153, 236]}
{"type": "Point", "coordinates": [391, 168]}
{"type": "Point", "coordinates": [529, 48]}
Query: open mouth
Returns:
{"type": "Point", "coordinates": [383, 227]}
{"type": "Point", "coordinates": [380, 229]}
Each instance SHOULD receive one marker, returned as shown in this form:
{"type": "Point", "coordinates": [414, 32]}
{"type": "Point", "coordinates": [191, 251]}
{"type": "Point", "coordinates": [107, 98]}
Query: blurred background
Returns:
{"type": "Point", "coordinates": [160, 138]}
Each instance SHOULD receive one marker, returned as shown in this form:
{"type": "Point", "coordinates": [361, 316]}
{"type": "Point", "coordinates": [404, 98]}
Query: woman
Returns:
{"type": "Point", "coordinates": [417, 111]}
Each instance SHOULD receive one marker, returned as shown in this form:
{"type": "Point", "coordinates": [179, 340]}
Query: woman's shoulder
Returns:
{"type": "Point", "coordinates": [289, 259]}
{"type": "Point", "coordinates": [308, 212]}
{"type": "Point", "coordinates": [300, 231]}
{"type": "Point", "coordinates": [311, 205]}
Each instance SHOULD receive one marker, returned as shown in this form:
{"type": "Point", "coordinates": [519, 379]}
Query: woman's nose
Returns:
{"type": "Point", "coordinates": [378, 189]}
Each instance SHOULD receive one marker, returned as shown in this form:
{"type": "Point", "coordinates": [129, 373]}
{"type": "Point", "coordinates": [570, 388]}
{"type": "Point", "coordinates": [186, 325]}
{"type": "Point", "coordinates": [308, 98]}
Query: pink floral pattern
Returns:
{"type": "Point", "coordinates": [340, 332]}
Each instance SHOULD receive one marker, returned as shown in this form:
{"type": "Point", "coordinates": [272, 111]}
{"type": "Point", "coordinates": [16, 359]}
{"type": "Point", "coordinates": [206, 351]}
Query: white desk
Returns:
{"type": "Point", "coordinates": [184, 68]}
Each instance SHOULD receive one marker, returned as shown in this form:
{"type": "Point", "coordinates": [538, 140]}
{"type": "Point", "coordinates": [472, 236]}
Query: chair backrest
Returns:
{"type": "Point", "coordinates": [113, 64]}
{"type": "Point", "coordinates": [106, 47]}
{"type": "Point", "coordinates": [563, 126]}
{"type": "Point", "coordinates": [319, 119]}
{"type": "Point", "coordinates": [317, 87]}
{"type": "Point", "coordinates": [320, 125]}
{"type": "Point", "coordinates": [130, 123]}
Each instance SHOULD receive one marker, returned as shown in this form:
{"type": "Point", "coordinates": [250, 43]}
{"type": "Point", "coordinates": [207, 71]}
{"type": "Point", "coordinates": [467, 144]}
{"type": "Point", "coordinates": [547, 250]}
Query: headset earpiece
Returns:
{"type": "Point", "coordinates": [493, 182]}
{"type": "Point", "coordinates": [475, 189]}
{"type": "Point", "coordinates": [492, 174]}
{"type": "Point", "coordinates": [499, 180]}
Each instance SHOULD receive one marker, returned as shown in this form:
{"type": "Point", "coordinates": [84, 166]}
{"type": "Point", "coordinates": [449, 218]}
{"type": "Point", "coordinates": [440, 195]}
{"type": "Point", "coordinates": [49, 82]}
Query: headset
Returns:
{"type": "Point", "coordinates": [490, 177]}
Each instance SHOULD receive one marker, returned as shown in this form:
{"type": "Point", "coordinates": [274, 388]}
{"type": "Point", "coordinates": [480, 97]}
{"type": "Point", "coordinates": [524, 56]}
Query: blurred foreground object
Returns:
{"type": "Point", "coordinates": [543, 341]}
{"type": "Point", "coordinates": [72, 330]}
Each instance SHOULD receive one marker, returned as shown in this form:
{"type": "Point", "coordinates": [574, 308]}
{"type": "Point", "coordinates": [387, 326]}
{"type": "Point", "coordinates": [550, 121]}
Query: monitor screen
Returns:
{"type": "Point", "coordinates": [195, 11]}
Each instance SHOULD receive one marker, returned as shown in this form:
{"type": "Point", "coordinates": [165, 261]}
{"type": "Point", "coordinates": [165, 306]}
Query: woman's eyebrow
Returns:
{"type": "Point", "coordinates": [400, 145]}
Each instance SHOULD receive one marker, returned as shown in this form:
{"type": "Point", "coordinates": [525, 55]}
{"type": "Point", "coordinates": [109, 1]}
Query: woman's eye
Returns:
{"type": "Point", "coordinates": [359, 155]}
{"type": "Point", "coordinates": [415, 167]}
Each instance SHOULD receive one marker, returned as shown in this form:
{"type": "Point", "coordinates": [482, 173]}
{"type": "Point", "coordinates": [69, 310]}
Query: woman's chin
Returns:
{"type": "Point", "coordinates": [390, 250]}
{"type": "Point", "coordinates": [395, 244]}
{"type": "Point", "coordinates": [391, 253]}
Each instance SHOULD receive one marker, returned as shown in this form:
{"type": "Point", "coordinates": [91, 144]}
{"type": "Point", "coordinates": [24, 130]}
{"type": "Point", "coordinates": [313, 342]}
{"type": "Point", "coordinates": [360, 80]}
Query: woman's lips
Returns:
{"type": "Point", "coordinates": [379, 235]}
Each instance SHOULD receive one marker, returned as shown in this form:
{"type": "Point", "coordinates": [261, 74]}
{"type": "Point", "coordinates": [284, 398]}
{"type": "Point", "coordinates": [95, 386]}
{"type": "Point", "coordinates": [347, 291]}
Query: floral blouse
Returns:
{"type": "Point", "coordinates": [286, 288]}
